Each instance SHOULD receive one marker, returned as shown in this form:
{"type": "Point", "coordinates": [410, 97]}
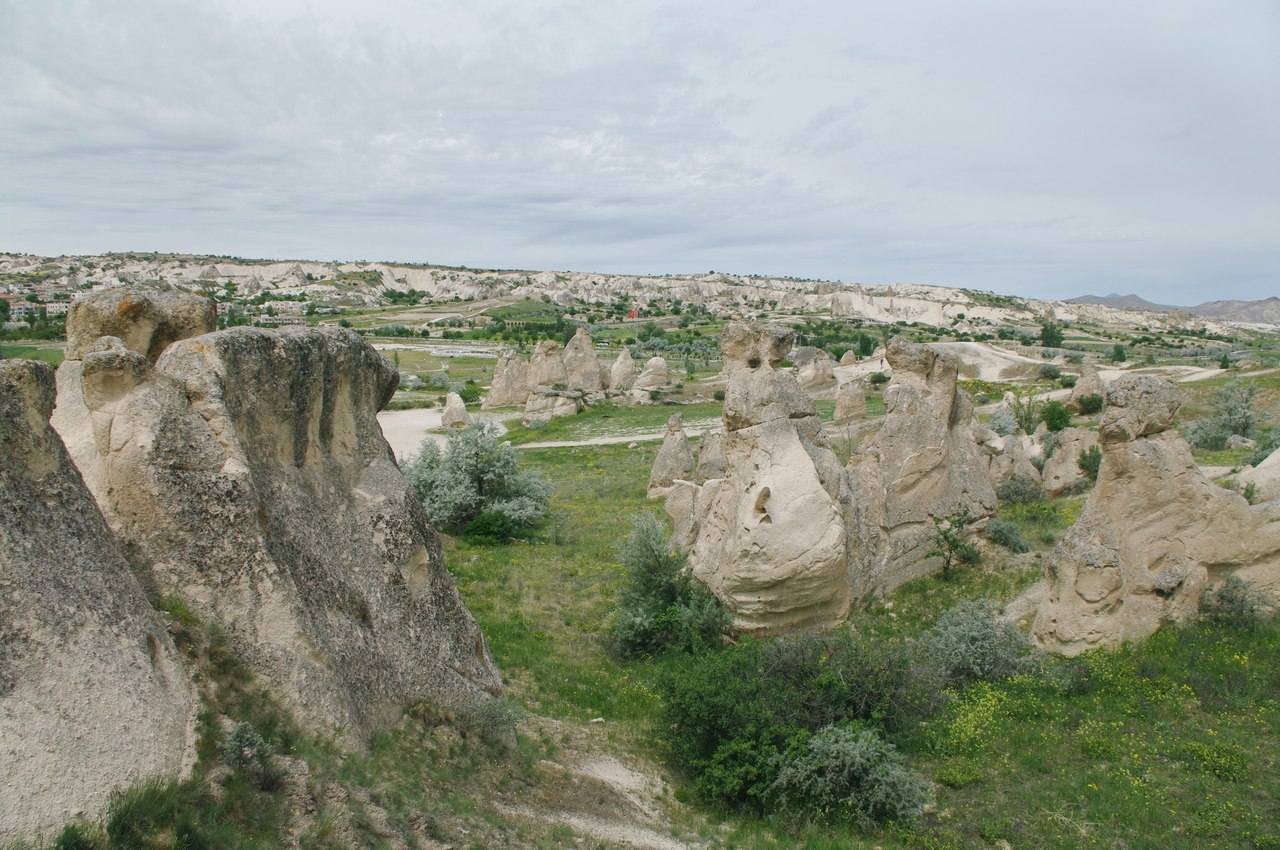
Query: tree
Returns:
{"type": "Point", "coordinates": [1118, 354]}
{"type": "Point", "coordinates": [476, 474]}
{"type": "Point", "coordinates": [1050, 335]}
{"type": "Point", "coordinates": [951, 541]}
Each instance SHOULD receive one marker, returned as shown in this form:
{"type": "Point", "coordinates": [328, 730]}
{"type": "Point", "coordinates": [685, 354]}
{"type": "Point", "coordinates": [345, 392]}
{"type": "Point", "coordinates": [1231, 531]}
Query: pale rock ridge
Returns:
{"type": "Point", "coordinates": [769, 537]}
{"type": "Point", "coordinates": [455, 413]}
{"type": "Point", "coordinates": [1154, 533]}
{"type": "Point", "coordinates": [247, 469]}
{"type": "Point", "coordinates": [674, 461]}
{"type": "Point", "coordinates": [93, 695]}
{"type": "Point", "coordinates": [146, 322]}
{"type": "Point", "coordinates": [923, 461]}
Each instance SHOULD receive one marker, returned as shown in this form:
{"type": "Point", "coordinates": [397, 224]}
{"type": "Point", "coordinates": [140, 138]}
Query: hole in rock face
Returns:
{"type": "Point", "coordinates": [761, 508]}
{"type": "Point", "coordinates": [753, 362]}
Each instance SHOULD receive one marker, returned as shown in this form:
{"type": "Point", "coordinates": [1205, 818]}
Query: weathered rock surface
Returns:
{"type": "Point", "coordinates": [546, 366]}
{"type": "Point", "coordinates": [769, 537]}
{"type": "Point", "coordinates": [710, 457]}
{"type": "Point", "coordinates": [848, 358]}
{"type": "Point", "coordinates": [674, 461]}
{"type": "Point", "coordinates": [813, 368]}
{"type": "Point", "coordinates": [1265, 478]}
{"type": "Point", "coordinates": [92, 693]}
{"type": "Point", "coordinates": [922, 462]}
{"type": "Point", "coordinates": [145, 322]}
{"type": "Point", "coordinates": [1154, 533]}
{"type": "Point", "coordinates": [1088, 384]}
{"type": "Point", "coordinates": [247, 471]}
{"type": "Point", "coordinates": [851, 403]}
{"type": "Point", "coordinates": [1011, 458]}
{"type": "Point", "coordinates": [510, 385]}
{"type": "Point", "coordinates": [582, 368]}
{"type": "Point", "coordinates": [455, 412]}
{"type": "Point", "coordinates": [545, 404]}
{"type": "Point", "coordinates": [622, 375]}
{"type": "Point", "coordinates": [1062, 470]}
{"type": "Point", "coordinates": [654, 374]}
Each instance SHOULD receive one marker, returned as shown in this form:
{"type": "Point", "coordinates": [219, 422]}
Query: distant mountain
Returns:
{"type": "Point", "coordinates": [1253, 312]}
{"type": "Point", "coordinates": [1122, 302]}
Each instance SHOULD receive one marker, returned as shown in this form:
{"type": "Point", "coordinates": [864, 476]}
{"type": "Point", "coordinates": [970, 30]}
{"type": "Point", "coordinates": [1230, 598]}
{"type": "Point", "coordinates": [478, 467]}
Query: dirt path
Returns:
{"type": "Point", "coordinates": [406, 429]}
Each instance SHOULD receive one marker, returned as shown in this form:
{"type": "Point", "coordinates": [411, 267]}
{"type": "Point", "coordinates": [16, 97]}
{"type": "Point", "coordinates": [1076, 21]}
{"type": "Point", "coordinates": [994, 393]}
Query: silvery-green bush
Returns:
{"type": "Point", "coordinates": [971, 642]}
{"type": "Point", "coordinates": [475, 474]}
{"type": "Point", "coordinates": [848, 774]}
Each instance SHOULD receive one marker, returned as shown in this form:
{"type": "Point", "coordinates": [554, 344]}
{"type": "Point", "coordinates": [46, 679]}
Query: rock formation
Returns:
{"type": "Point", "coordinates": [654, 374]}
{"type": "Point", "coordinates": [92, 693]}
{"type": "Point", "coordinates": [582, 367]}
{"type": "Point", "coordinates": [1062, 470]}
{"type": "Point", "coordinates": [710, 457]}
{"type": "Point", "coordinates": [623, 372]}
{"type": "Point", "coordinates": [851, 403]}
{"type": "Point", "coordinates": [1265, 478]}
{"type": "Point", "coordinates": [1088, 384]}
{"type": "Point", "coordinates": [769, 537]}
{"type": "Point", "coordinates": [813, 368]}
{"type": "Point", "coordinates": [146, 322]}
{"type": "Point", "coordinates": [1154, 533]}
{"type": "Point", "coordinates": [674, 461]}
{"type": "Point", "coordinates": [455, 412]}
{"type": "Point", "coordinates": [922, 462]}
{"type": "Point", "coordinates": [247, 474]}
{"type": "Point", "coordinates": [546, 366]}
{"type": "Point", "coordinates": [1011, 458]}
{"type": "Point", "coordinates": [545, 404]}
{"type": "Point", "coordinates": [848, 358]}
{"type": "Point", "coordinates": [510, 383]}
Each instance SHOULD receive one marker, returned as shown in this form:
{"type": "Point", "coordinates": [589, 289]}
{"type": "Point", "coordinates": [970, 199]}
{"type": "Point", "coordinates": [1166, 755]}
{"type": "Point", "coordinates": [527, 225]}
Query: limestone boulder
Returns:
{"type": "Point", "coordinates": [145, 322]}
{"type": "Point", "coordinates": [455, 412]}
{"type": "Point", "coordinates": [813, 368]}
{"type": "Point", "coordinates": [247, 472]}
{"type": "Point", "coordinates": [848, 358]}
{"type": "Point", "coordinates": [654, 374]}
{"type": "Point", "coordinates": [674, 461]}
{"type": "Point", "coordinates": [546, 366]}
{"type": "Point", "coordinates": [1153, 534]}
{"type": "Point", "coordinates": [582, 366]}
{"type": "Point", "coordinates": [1088, 384]}
{"type": "Point", "coordinates": [545, 404]}
{"type": "Point", "coordinates": [510, 385]}
{"type": "Point", "coordinates": [1011, 458]}
{"type": "Point", "coordinates": [622, 375]}
{"type": "Point", "coordinates": [93, 695]}
{"type": "Point", "coordinates": [711, 462]}
{"type": "Point", "coordinates": [851, 403]}
{"type": "Point", "coordinates": [923, 462]}
{"type": "Point", "coordinates": [1062, 470]}
{"type": "Point", "coordinates": [1265, 478]}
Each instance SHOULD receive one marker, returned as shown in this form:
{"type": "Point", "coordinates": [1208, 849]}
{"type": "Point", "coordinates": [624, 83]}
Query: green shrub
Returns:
{"type": "Point", "coordinates": [662, 605]}
{"type": "Point", "coordinates": [1089, 404]}
{"type": "Point", "coordinates": [476, 474]}
{"type": "Point", "coordinates": [244, 750]}
{"type": "Point", "coordinates": [951, 541]}
{"type": "Point", "coordinates": [1056, 416]}
{"type": "Point", "coordinates": [848, 774]}
{"type": "Point", "coordinates": [1050, 372]}
{"type": "Point", "coordinates": [1268, 442]}
{"type": "Point", "coordinates": [1027, 410]}
{"type": "Point", "coordinates": [1118, 354]}
{"type": "Point", "coordinates": [1210, 434]}
{"type": "Point", "coordinates": [971, 642]}
{"type": "Point", "coordinates": [490, 527]}
{"type": "Point", "coordinates": [1003, 423]}
{"type": "Point", "coordinates": [1234, 603]}
{"type": "Point", "coordinates": [1090, 461]}
{"type": "Point", "coordinates": [878, 378]}
{"type": "Point", "coordinates": [1020, 490]}
{"type": "Point", "coordinates": [1068, 381]}
{"type": "Point", "coordinates": [1008, 535]}
{"type": "Point", "coordinates": [718, 395]}
{"type": "Point", "coordinates": [469, 392]}
{"type": "Point", "coordinates": [136, 814]}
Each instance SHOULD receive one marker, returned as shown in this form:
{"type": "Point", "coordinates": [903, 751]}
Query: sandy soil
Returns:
{"type": "Point", "coordinates": [406, 429]}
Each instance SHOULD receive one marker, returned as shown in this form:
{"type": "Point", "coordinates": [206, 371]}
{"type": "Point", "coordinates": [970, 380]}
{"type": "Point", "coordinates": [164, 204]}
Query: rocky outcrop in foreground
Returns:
{"type": "Point", "coordinates": [1154, 533]}
{"type": "Point", "coordinates": [247, 474]}
{"type": "Point", "coordinates": [92, 693]}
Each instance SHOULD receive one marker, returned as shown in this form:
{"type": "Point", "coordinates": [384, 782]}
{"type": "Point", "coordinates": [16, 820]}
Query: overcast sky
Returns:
{"type": "Point", "coordinates": [1043, 148]}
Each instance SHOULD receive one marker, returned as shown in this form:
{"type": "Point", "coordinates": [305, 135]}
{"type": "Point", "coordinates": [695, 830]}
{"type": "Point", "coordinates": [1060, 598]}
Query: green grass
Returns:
{"type": "Point", "coordinates": [50, 353]}
{"type": "Point", "coordinates": [607, 420]}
